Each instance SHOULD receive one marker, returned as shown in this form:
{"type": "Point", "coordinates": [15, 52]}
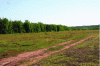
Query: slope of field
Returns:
{"type": "Point", "coordinates": [82, 54]}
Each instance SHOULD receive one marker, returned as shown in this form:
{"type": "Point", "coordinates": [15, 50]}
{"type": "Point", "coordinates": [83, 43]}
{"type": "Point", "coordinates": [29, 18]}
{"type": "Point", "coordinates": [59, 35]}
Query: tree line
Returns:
{"type": "Point", "coordinates": [10, 27]}
{"type": "Point", "coordinates": [92, 27]}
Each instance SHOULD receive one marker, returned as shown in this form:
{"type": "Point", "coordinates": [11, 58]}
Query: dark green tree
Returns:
{"type": "Point", "coordinates": [60, 28]}
{"type": "Point", "coordinates": [26, 26]}
{"type": "Point", "coordinates": [31, 27]}
{"type": "Point", "coordinates": [4, 25]}
{"type": "Point", "coordinates": [10, 27]}
{"type": "Point", "coordinates": [54, 27]}
{"type": "Point", "coordinates": [48, 28]}
{"type": "Point", "coordinates": [38, 29]}
{"type": "Point", "coordinates": [42, 26]}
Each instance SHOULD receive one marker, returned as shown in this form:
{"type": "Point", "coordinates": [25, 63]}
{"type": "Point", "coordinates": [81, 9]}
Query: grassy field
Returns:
{"type": "Point", "coordinates": [13, 44]}
{"type": "Point", "coordinates": [83, 54]}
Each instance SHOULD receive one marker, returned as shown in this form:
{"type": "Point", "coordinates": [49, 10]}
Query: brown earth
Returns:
{"type": "Point", "coordinates": [35, 56]}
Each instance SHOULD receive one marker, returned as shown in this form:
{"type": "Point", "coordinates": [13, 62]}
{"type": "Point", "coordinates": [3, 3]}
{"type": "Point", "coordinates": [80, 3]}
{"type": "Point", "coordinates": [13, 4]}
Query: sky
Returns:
{"type": "Point", "coordinates": [59, 12]}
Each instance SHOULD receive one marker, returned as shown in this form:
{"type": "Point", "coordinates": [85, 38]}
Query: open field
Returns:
{"type": "Point", "coordinates": [82, 54]}
{"type": "Point", "coordinates": [13, 44]}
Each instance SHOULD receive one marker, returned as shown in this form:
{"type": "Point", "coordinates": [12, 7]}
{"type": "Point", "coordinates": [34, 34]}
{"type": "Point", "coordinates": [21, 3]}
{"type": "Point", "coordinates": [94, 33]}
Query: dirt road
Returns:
{"type": "Point", "coordinates": [35, 55]}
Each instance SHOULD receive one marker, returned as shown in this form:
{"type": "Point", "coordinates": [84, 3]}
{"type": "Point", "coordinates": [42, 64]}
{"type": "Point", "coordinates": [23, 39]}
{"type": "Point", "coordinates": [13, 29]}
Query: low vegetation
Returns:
{"type": "Point", "coordinates": [56, 48]}
{"type": "Point", "coordinates": [83, 54]}
{"type": "Point", "coordinates": [13, 44]}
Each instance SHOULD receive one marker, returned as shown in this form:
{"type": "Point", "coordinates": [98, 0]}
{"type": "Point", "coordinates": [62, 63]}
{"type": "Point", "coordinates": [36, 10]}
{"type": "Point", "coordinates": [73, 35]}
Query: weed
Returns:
{"type": "Point", "coordinates": [56, 48]}
{"type": "Point", "coordinates": [46, 33]}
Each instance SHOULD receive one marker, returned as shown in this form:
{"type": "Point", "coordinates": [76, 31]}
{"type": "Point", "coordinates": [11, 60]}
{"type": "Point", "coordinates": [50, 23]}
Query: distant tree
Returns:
{"type": "Point", "coordinates": [38, 28]}
{"type": "Point", "coordinates": [53, 27]}
{"type": "Point", "coordinates": [48, 28]}
{"type": "Point", "coordinates": [4, 25]}
{"type": "Point", "coordinates": [31, 27]}
{"type": "Point", "coordinates": [17, 26]}
{"type": "Point", "coordinates": [35, 27]}
{"type": "Point", "coordinates": [1, 27]}
{"type": "Point", "coordinates": [7, 26]}
{"type": "Point", "coordinates": [69, 29]}
{"type": "Point", "coordinates": [44, 27]}
{"type": "Point", "coordinates": [60, 28]}
{"type": "Point", "coordinates": [65, 28]}
{"type": "Point", "coordinates": [26, 25]}
{"type": "Point", "coordinates": [20, 27]}
{"type": "Point", "coordinates": [78, 28]}
{"type": "Point", "coordinates": [10, 28]}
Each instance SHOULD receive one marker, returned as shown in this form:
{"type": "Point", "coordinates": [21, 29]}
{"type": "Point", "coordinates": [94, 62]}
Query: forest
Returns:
{"type": "Point", "coordinates": [10, 27]}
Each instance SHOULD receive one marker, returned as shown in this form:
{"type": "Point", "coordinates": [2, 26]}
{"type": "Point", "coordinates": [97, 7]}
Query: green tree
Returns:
{"type": "Point", "coordinates": [48, 28]}
{"type": "Point", "coordinates": [15, 26]}
{"type": "Point", "coordinates": [31, 27]}
{"type": "Point", "coordinates": [26, 25]}
{"type": "Point", "coordinates": [38, 29]}
{"type": "Point", "coordinates": [60, 28]}
{"type": "Point", "coordinates": [42, 26]}
{"type": "Point", "coordinates": [4, 25]}
{"type": "Point", "coordinates": [20, 27]}
{"type": "Point", "coordinates": [65, 28]}
{"type": "Point", "coordinates": [10, 27]}
{"type": "Point", "coordinates": [54, 27]}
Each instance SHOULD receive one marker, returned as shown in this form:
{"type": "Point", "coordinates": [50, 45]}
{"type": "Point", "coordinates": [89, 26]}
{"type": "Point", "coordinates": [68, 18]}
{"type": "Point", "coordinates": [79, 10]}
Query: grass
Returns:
{"type": "Point", "coordinates": [56, 48]}
{"type": "Point", "coordinates": [83, 54]}
{"type": "Point", "coordinates": [13, 44]}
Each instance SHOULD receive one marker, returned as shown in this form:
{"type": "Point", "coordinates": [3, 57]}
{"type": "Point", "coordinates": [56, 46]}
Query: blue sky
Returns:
{"type": "Point", "coordinates": [64, 12]}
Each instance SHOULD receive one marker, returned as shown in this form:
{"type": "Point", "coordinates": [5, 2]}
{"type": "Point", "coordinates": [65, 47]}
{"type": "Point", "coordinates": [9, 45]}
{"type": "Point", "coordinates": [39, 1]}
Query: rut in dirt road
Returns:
{"type": "Point", "coordinates": [35, 56]}
{"type": "Point", "coordinates": [24, 56]}
{"type": "Point", "coordinates": [38, 58]}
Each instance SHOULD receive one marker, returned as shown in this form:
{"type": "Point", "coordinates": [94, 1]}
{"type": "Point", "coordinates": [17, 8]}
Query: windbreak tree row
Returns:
{"type": "Point", "coordinates": [9, 27]}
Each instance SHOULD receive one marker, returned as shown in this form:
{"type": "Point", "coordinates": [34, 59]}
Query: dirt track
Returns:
{"type": "Point", "coordinates": [35, 55]}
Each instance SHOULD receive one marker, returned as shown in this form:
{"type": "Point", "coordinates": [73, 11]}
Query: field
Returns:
{"type": "Point", "coordinates": [14, 44]}
{"type": "Point", "coordinates": [83, 54]}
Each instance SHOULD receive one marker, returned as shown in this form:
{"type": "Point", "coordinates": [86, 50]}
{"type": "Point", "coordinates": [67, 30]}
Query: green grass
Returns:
{"type": "Point", "coordinates": [83, 54]}
{"type": "Point", "coordinates": [13, 44]}
{"type": "Point", "coordinates": [56, 48]}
